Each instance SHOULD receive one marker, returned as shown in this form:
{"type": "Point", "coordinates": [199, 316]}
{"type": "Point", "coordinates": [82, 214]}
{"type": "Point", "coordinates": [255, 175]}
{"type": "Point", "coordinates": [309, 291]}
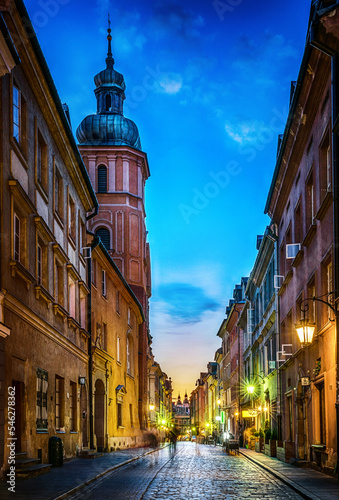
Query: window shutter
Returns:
{"type": "Point", "coordinates": [102, 179]}
{"type": "Point", "coordinates": [104, 236]}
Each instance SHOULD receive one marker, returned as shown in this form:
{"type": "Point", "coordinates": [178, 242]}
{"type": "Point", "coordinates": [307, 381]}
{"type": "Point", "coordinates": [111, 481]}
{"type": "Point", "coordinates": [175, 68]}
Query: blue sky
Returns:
{"type": "Point", "coordinates": [208, 86]}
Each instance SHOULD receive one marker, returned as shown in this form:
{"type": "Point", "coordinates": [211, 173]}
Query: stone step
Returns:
{"type": "Point", "coordinates": [33, 471]}
{"type": "Point", "coordinates": [23, 463]}
{"type": "Point", "coordinates": [21, 454]}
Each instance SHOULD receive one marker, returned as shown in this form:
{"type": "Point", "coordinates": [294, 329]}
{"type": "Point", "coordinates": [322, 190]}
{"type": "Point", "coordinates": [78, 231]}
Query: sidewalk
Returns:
{"type": "Point", "coordinates": [72, 474]}
{"type": "Point", "coordinates": [308, 483]}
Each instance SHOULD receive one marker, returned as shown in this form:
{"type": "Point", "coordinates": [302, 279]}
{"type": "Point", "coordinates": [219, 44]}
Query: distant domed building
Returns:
{"type": "Point", "coordinates": [181, 413]}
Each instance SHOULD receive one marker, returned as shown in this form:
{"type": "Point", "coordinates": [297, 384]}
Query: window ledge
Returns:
{"type": "Point", "coordinates": [41, 292]}
{"type": "Point", "coordinates": [298, 258]}
{"type": "Point", "coordinates": [71, 241]}
{"type": "Point", "coordinates": [59, 219]}
{"type": "Point", "coordinates": [42, 191]}
{"type": "Point", "coordinates": [18, 268]}
{"type": "Point", "coordinates": [326, 203]}
{"type": "Point", "coordinates": [309, 235]}
{"type": "Point", "coordinates": [58, 309]}
{"type": "Point", "coordinates": [73, 432]}
{"type": "Point", "coordinates": [60, 432]}
{"type": "Point", "coordinates": [18, 150]}
{"type": "Point", "coordinates": [42, 431]}
{"type": "Point", "coordinates": [72, 322]}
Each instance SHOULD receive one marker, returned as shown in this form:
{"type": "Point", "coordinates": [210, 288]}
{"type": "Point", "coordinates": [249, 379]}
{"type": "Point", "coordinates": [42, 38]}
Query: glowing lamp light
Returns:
{"type": "Point", "coordinates": [259, 408]}
{"type": "Point", "coordinates": [305, 331]}
{"type": "Point", "coordinates": [218, 402]}
{"type": "Point", "coordinates": [265, 408]}
{"type": "Point", "coordinates": [151, 407]}
{"type": "Point", "coordinates": [250, 389]}
{"type": "Point", "coordinates": [236, 413]}
{"type": "Point", "coordinates": [207, 425]}
{"type": "Point", "coordinates": [163, 421]}
{"type": "Point", "coordinates": [218, 418]}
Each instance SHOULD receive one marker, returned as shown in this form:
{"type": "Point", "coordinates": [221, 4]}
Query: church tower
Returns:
{"type": "Point", "coordinates": [110, 147]}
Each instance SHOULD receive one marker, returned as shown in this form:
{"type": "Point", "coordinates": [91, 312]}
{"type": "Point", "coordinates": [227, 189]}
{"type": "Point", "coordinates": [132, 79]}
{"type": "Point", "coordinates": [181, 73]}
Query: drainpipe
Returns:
{"type": "Point", "coordinates": [90, 357]}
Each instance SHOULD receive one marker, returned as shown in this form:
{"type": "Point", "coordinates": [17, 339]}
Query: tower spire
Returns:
{"type": "Point", "coordinates": [109, 58]}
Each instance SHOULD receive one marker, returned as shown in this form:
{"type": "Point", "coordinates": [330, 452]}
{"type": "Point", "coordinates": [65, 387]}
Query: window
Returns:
{"type": "Point", "coordinates": [105, 237]}
{"type": "Point", "coordinates": [103, 282]}
{"type": "Point", "coordinates": [39, 264]}
{"type": "Point", "coordinates": [41, 163]}
{"type": "Point", "coordinates": [58, 194]}
{"type": "Point", "coordinates": [102, 179]}
{"type": "Point", "coordinates": [59, 283]}
{"type": "Point", "coordinates": [16, 237]}
{"type": "Point", "coordinates": [73, 407]}
{"type": "Point", "coordinates": [129, 316]}
{"type": "Point", "coordinates": [83, 311]}
{"type": "Point", "coordinates": [19, 117]}
{"type": "Point", "coordinates": [71, 219]}
{"type": "Point", "coordinates": [322, 418]}
{"type": "Point", "coordinates": [41, 399]}
{"type": "Point", "coordinates": [118, 349]}
{"type": "Point", "coordinates": [16, 113]}
{"type": "Point", "coordinates": [117, 301]}
{"type": "Point", "coordinates": [298, 237]}
{"type": "Point", "coordinates": [119, 415]}
{"type": "Point", "coordinates": [325, 166]}
{"type": "Point", "coordinates": [71, 297]}
{"type": "Point", "coordinates": [82, 235]}
{"type": "Point", "coordinates": [290, 418]}
{"type": "Point", "coordinates": [108, 102]}
{"type": "Point", "coordinates": [310, 201]}
{"type": "Point", "coordinates": [94, 272]}
{"type": "Point", "coordinates": [128, 351]}
{"type": "Point", "coordinates": [59, 403]}
{"type": "Point", "coordinates": [131, 415]}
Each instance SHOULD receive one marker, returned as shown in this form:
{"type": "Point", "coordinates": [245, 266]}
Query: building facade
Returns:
{"type": "Point", "coordinates": [110, 147]}
{"type": "Point", "coordinates": [301, 202]}
{"type": "Point", "coordinates": [45, 196]}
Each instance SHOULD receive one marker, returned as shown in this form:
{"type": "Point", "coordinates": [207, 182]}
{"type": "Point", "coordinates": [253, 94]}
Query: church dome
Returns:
{"type": "Point", "coordinates": [109, 127]}
{"type": "Point", "coordinates": [111, 78]}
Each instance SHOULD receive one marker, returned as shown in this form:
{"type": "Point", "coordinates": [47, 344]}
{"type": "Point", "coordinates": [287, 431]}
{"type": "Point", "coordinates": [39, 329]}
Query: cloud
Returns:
{"type": "Point", "coordinates": [170, 83]}
{"type": "Point", "coordinates": [247, 132]}
{"type": "Point", "coordinates": [172, 19]}
{"type": "Point", "coordinates": [185, 303]}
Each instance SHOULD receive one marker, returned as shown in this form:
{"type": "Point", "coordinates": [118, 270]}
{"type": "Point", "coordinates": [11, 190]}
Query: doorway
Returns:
{"type": "Point", "coordinates": [99, 409]}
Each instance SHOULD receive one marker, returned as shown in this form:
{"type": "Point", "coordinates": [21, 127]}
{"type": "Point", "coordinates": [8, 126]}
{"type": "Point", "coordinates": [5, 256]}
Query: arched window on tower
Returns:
{"type": "Point", "coordinates": [102, 179]}
{"type": "Point", "coordinates": [108, 102]}
{"type": "Point", "coordinates": [105, 237]}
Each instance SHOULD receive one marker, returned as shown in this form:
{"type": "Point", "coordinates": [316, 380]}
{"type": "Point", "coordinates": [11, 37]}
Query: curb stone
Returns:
{"type": "Point", "coordinates": [295, 486]}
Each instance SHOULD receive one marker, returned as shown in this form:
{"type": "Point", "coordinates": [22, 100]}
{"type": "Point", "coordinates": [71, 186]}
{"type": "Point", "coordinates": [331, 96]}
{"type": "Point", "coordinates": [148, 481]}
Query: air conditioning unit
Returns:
{"type": "Point", "coordinates": [86, 252]}
{"type": "Point", "coordinates": [278, 280]}
{"type": "Point", "coordinates": [271, 365]}
{"type": "Point", "coordinates": [292, 250]}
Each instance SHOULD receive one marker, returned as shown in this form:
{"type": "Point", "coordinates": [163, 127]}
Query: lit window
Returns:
{"type": "Point", "coordinates": [71, 297]}
{"type": "Point", "coordinates": [16, 113]}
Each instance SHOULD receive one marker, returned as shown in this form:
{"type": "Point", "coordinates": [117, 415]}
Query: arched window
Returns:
{"type": "Point", "coordinates": [108, 102]}
{"type": "Point", "coordinates": [105, 237]}
{"type": "Point", "coordinates": [102, 179]}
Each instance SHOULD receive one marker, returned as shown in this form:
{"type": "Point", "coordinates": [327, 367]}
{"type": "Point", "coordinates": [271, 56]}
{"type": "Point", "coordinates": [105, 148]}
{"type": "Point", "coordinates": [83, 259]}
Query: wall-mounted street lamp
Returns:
{"type": "Point", "coordinates": [304, 328]}
{"type": "Point", "coordinates": [151, 405]}
{"type": "Point", "coordinates": [305, 331]}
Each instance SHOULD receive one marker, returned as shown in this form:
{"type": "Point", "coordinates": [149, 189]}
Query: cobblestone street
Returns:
{"type": "Point", "coordinates": [194, 472]}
